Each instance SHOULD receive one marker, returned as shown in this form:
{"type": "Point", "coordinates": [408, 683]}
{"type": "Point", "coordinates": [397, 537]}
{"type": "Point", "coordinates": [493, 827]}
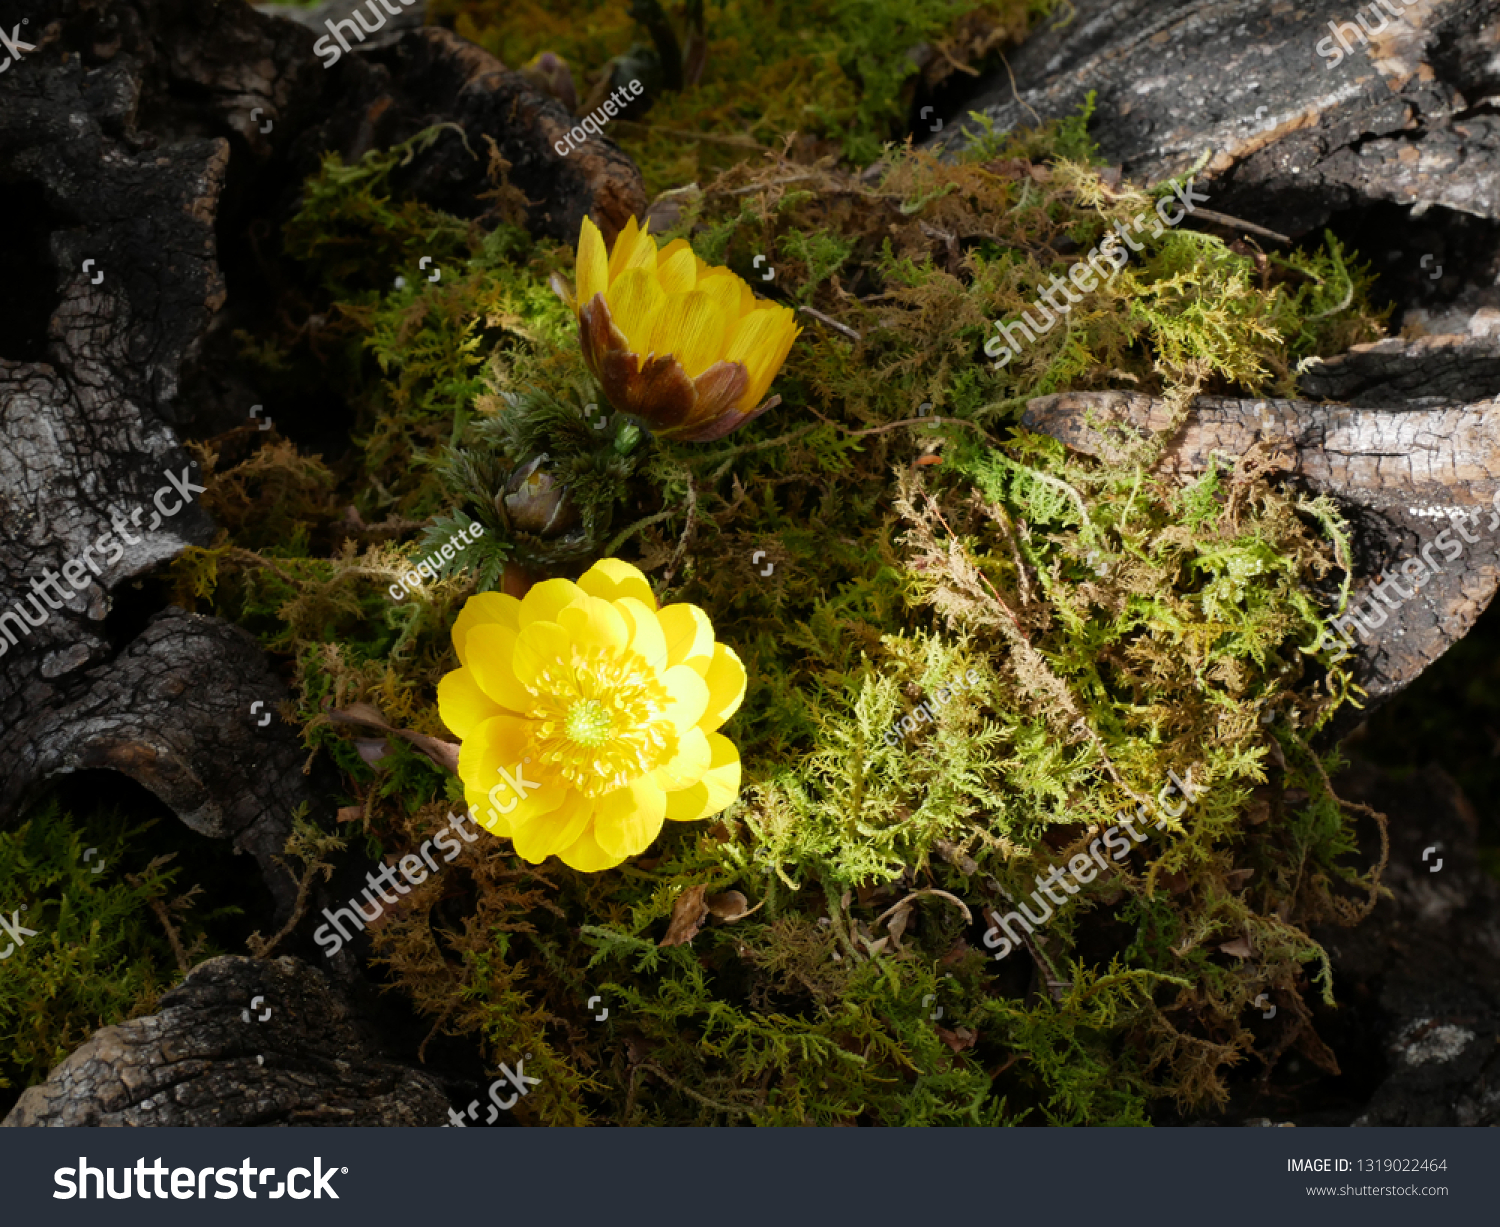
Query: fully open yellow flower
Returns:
{"type": "Point", "coordinates": [588, 716]}
{"type": "Point", "coordinates": [681, 344]}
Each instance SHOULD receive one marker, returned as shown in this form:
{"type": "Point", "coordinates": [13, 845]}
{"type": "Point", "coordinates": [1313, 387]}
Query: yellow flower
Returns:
{"type": "Point", "coordinates": [679, 343]}
{"type": "Point", "coordinates": [588, 716]}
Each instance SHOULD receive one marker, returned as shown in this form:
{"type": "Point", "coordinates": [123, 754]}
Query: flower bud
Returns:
{"type": "Point", "coordinates": [534, 502]}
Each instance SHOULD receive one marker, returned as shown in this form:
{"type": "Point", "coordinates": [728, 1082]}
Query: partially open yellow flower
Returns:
{"type": "Point", "coordinates": [681, 344]}
{"type": "Point", "coordinates": [588, 716]}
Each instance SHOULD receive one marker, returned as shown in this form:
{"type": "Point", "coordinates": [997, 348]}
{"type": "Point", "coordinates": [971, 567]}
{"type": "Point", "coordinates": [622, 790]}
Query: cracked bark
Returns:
{"type": "Point", "coordinates": [1291, 136]}
{"type": "Point", "coordinates": [129, 137]}
{"type": "Point", "coordinates": [194, 1062]}
{"type": "Point", "coordinates": [126, 138]}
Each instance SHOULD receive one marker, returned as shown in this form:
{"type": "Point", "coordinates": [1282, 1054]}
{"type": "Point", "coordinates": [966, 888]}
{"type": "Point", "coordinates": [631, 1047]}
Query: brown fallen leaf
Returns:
{"type": "Point", "coordinates": [730, 906]}
{"type": "Point", "coordinates": [896, 926]}
{"type": "Point", "coordinates": [350, 813]}
{"type": "Point", "coordinates": [363, 715]}
{"type": "Point", "coordinates": [960, 948]}
{"type": "Point", "coordinates": [372, 749]}
{"type": "Point", "coordinates": [688, 915]}
{"type": "Point", "coordinates": [959, 1038]}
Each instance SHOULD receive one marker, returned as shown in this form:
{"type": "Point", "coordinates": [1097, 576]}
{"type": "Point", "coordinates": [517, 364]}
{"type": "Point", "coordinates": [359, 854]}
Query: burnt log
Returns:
{"type": "Point", "coordinates": [131, 135]}
{"type": "Point", "coordinates": [301, 1056]}
{"type": "Point", "coordinates": [1293, 126]}
{"type": "Point", "coordinates": [1397, 373]}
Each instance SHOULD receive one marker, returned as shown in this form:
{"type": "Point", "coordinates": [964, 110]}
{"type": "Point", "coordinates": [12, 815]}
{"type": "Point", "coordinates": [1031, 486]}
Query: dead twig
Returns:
{"type": "Point", "coordinates": [931, 418]}
{"type": "Point", "coordinates": [1224, 219]}
{"type": "Point", "coordinates": [832, 323]}
{"type": "Point", "coordinates": [931, 890]}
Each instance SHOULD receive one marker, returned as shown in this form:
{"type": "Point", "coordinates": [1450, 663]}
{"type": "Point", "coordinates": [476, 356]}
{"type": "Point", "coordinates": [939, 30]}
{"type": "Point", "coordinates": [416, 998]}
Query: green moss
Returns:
{"type": "Point", "coordinates": [99, 954]}
{"type": "Point", "coordinates": [838, 72]}
{"type": "Point", "coordinates": [1119, 625]}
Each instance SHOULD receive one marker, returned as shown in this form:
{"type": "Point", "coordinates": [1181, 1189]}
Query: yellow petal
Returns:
{"type": "Point", "coordinates": [717, 789]}
{"type": "Point", "coordinates": [646, 638]}
{"type": "Point", "coordinates": [505, 739]}
{"type": "Point", "coordinates": [690, 635]}
{"type": "Point", "coordinates": [676, 267]}
{"type": "Point", "coordinates": [462, 705]}
{"type": "Point", "coordinates": [542, 834]}
{"type": "Point", "coordinates": [545, 601]}
{"type": "Point", "coordinates": [613, 578]}
{"type": "Point", "coordinates": [725, 289]}
{"type": "Point", "coordinates": [624, 247]}
{"type": "Point", "coordinates": [494, 607]}
{"type": "Point", "coordinates": [761, 341]}
{"type": "Point", "coordinates": [686, 767]}
{"type": "Point", "coordinates": [594, 623]}
{"type": "Point", "coordinates": [726, 687]}
{"type": "Point", "coordinates": [628, 819]}
{"type": "Point", "coordinates": [634, 248]}
{"type": "Point", "coordinates": [635, 300]}
{"type": "Point", "coordinates": [492, 654]}
{"type": "Point", "coordinates": [689, 698]}
{"type": "Point", "coordinates": [586, 855]}
{"type": "Point", "coordinates": [502, 813]}
{"type": "Point", "coordinates": [543, 655]}
{"type": "Point", "coordinates": [592, 266]}
{"type": "Point", "coordinates": [691, 329]}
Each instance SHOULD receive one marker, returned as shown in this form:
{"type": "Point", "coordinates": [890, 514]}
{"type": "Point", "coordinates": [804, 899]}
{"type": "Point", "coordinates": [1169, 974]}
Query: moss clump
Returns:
{"type": "Point", "coordinates": [1120, 625]}
{"type": "Point", "coordinates": [101, 951]}
{"type": "Point", "coordinates": [841, 73]}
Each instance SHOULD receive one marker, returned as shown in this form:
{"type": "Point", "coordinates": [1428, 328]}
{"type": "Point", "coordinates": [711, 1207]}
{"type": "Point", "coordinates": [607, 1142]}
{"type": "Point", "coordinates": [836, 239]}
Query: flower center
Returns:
{"type": "Point", "coordinates": [589, 723]}
{"type": "Point", "coordinates": [599, 720]}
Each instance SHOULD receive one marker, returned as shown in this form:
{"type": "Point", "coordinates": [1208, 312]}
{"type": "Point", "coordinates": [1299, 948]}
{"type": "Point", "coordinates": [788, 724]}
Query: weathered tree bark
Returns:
{"type": "Point", "coordinates": [1292, 135]}
{"type": "Point", "coordinates": [1397, 373]}
{"type": "Point", "coordinates": [118, 135]}
{"type": "Point", "coordinates": [188, 709]}
{"type": "Point", "coordinates": [207, 1059]}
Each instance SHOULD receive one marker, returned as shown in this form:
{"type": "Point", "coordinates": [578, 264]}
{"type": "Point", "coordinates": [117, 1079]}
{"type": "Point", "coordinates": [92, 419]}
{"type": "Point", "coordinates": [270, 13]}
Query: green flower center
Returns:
{"type": "Point", "coordinates": [589, 723]}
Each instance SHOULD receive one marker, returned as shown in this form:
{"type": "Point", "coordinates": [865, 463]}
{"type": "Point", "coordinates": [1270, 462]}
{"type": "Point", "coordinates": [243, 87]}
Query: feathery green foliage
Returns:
{"type": "Point", "coordinates": [99, 955]}
{"type": "Point", "coordinates": [1119, 624]}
